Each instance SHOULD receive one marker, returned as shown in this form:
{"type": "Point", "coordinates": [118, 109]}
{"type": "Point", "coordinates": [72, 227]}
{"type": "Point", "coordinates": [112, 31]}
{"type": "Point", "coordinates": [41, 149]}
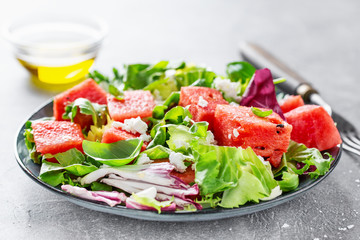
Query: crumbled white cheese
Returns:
{"type": "Point", "coordinates": [157, 97]}
{"type": "Point", "coordinates": [234, 104]}
{"type": "Point", "coordinates": [263, 161]}
{"type": "Point", "coordinates": [193, 166]}
{"type": "Point", "coordinates": [247, 114]}
{"type": "Point", "coordinates": [145, 137]}
{"type": "Point", "coordinates": [275, 192]}
{"type": "Point", "coordinates": [285, 225]}
{"type": "Point", "coordinates": [143, 159]}
{"type": "Point", "coordinates": [132, 125]}
{"type": "Point", "coordinates": [229, 88]}
{"type": "Point", "coordinates": [229, 136]}
{"type": "Point", "coordinates": [236, 133]}
{"type": "Point", "coordinates": [357, 180]}
{"type": "Point", "coordinates": [202, 102]}
{"type": "Point", "coordinates": [170, 73]}
{"type": "Point", "coordinates": [350, 226]}
{"type": "Point", "coordinates": [180, 143]}
{"type": "Point", "coordinates": [210, 139]}
{"type": "Point", "coordinates": [187, 119]}
{"type": "Point", "coordinates": [342, 229]}
{"type": "Point", "coordinates": [177, 159]}
{"type": "Point", "coordinates": [149, 193]}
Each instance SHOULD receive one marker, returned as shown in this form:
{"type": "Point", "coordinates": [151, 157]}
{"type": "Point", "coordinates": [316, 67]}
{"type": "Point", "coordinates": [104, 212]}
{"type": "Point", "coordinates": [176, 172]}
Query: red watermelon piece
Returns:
{"type": "Point", "coordinates": [238, 126]}
{"type": "Point", "coordinates": [138, 103]}
{"type": "Point", "coordinates": [187, 177]}
{"type": "Point", "coordinates": [88, 89]}
{"type": "Point", "coordinates": [199, 110]}
{"type": "Point", "coordinates": [291, 102]}
{"type": "Point", "coordinates": [313, 127]}
{"type": "Point", "coordinates": [56, 136]}
{"type": "Point", "coordinates": [114, 134]}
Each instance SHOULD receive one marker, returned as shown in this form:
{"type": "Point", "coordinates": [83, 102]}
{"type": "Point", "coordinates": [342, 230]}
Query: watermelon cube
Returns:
{"type": "Point", "coordinates": [56, 136]}
{"type": "Point", "coordinates": [138, 103]}
{"type": "Point", "coordinates": [238, 126]}
{"type": "Point", "coordinates": [88, 89]}
{"type": "Point", "coordinates": [114, 134]}
{"type": "Point", "coordinates": [313, 127]}
{"type": "Point", "coordinates": [202, 101]}
{"type": "Point", "coordinates": [291, 102]}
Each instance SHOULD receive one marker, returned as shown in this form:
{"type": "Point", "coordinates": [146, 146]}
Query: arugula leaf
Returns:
{"type": "Point", "coordinates": [158, 133]}
{"type": "Point", "coordinates": [240, 72]}
{"type": "Point", "coordinates": [52, 173]}
{"type": "Point", "coordinates": [113, 154]}
{"type": "Point", "coordinates": [159, 111]}
{"type": "Point", "coordinates": [194, 76]}
{"type": "Point", "coordinates": [86, 107]}
{"type": "Point", "coordinates": [258, 112]}
{"type": "Point", "coordinates": [30, 143]}
{"type": "Point", "coordinates": [138, 76]}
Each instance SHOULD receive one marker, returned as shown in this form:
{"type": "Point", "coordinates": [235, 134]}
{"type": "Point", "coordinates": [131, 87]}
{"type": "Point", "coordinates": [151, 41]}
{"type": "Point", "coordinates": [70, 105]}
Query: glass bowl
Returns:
{"type": "Point", "coordinates": [56, 48]}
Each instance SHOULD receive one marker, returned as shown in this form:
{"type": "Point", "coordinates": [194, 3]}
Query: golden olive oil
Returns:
{"type": "Point", "coordinates": [59, 74]}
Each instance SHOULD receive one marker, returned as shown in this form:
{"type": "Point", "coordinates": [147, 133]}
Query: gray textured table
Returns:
{"type": "Point", "coordinates": [319, 39]}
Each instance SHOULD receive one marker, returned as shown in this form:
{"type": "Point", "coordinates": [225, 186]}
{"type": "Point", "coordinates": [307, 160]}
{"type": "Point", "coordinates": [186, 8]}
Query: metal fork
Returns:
{"type": "Point", "coordinates": [349, 135]}
{"type": "Point", "coordinates": [295, 84]}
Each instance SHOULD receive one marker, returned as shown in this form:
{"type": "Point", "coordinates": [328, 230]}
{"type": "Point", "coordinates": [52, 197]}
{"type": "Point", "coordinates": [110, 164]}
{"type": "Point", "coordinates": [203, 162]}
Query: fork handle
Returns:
{"type": "Point", "coordinates": [294, 84]}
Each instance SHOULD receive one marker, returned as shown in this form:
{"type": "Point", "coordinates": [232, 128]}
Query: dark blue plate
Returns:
{"type": "Point", "coordinates": [33, 170]}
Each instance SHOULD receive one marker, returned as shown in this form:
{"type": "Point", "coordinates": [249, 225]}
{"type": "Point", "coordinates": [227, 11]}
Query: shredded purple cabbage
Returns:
{"type": "Point", "coordinates": [261, 92]}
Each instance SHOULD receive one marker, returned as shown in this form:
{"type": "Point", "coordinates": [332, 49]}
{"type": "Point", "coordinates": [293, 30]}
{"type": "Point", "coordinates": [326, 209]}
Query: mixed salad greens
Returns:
{"type": "Point", "coordinates": [121, 173]}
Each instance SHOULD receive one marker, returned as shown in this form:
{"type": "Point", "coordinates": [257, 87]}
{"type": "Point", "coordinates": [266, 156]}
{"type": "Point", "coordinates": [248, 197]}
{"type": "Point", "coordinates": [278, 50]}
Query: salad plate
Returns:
{"type": "Point", "coordinates": [33, 171]}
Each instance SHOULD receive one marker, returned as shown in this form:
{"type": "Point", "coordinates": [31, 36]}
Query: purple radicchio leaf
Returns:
{"type": "Point", "coordinates": [261, 92]}
{"type": "Point", "coordinates": [111, 198]}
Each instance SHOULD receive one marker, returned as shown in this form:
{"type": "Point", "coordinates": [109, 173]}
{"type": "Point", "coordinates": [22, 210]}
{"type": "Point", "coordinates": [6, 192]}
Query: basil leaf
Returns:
{"type": "Point", "coordinates": [113, 154]}
{"type": "Point", "coordinates": [258, 112]}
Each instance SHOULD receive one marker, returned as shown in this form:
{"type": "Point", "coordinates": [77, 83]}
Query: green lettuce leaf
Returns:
{"type": "Point", "coordinates": [220, 168]}
{"type": "Point", "coordinates": [289, 182]}
{"type": "Point", "coordinates": [194, 76]}
{"type": "Point", "coordinates": [298, 152]}
{"type": "Point", "coordinates": [138, 76]}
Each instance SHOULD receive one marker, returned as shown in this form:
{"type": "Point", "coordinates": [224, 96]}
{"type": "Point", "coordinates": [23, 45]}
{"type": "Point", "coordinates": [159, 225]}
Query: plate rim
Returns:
{"type": "Point", "coordinates": [180, 216]}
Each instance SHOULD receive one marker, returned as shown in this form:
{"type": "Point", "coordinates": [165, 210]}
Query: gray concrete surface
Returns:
{"type": "Point", "coordinates": [320, 39]}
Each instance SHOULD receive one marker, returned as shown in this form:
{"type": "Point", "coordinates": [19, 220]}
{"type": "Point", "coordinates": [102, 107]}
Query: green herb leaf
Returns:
{"type": "Point", "coordinates": [113, 154]}
{"type": "Point", "coordinates": [86, 107]}
{"type": "Point", "coordinates": [258, 112]}
{"type": "Point", "coordinates": [240, 72]}
{"type": "Point", "coordinates": [279, 80]}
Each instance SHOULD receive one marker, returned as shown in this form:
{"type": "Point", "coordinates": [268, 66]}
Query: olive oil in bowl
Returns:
{"type": "Point", "coordinates": [57, 50]}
